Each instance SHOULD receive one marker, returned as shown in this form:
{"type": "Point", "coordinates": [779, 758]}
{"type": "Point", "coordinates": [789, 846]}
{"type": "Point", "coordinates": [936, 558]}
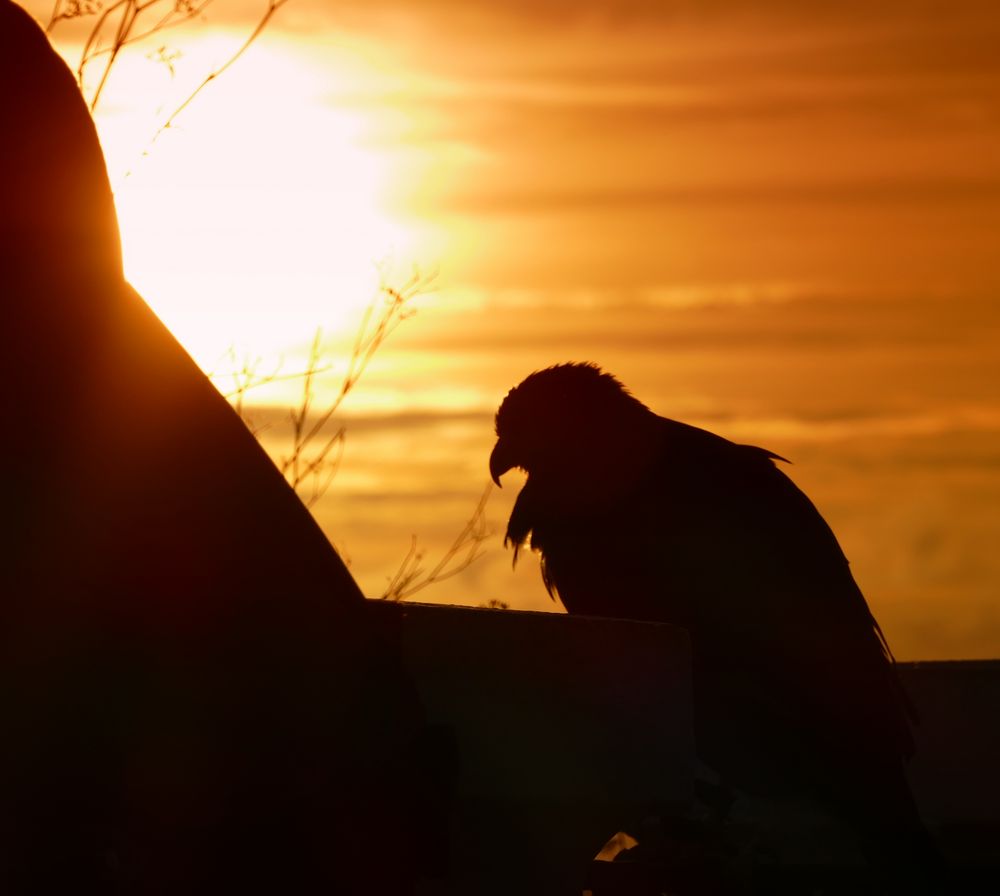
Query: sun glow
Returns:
{"type": "Point", "coordinates": [261, 215]}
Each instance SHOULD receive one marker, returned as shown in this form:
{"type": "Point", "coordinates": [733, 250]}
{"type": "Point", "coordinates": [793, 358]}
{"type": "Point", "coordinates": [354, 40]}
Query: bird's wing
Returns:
{"type": "Point", "coordinates": [770, 580]}
{"type": "Point", "coordinates": [717, 539]}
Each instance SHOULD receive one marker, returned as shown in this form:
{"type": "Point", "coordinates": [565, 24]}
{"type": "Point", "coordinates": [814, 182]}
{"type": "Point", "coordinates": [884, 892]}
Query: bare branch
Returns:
{"type": "Point", "coordinates": [315, 454]}
{"type": "Point", "coordinates": [272, 7]}
{"type": "Point", "coordinates": [467, 547]}
{"type": "Point", "coordinates": [132, 25]}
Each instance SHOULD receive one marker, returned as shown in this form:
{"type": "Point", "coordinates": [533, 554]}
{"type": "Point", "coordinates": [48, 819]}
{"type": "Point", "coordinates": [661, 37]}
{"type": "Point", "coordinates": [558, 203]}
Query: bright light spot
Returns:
{"type": "Point", "coordinates": [262, 215]}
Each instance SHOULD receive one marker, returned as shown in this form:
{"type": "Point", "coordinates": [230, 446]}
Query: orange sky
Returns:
{"type": "Point", "coordinates": [775, 219]}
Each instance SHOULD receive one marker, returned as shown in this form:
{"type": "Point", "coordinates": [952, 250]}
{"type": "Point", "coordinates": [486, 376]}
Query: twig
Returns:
{"type": "Point", "coordinates": [272, 8]}
{"type": "Point", "coordinates": [467, 547]}
{"type": "Point", "coordinates": [128, 32]}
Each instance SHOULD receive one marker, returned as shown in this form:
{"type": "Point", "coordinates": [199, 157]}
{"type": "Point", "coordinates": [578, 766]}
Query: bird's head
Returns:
{"type": "Point", "coordinates": [564, 424]}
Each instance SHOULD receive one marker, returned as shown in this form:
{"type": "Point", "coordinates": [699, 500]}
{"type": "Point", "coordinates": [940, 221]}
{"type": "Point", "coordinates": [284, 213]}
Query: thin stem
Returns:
{"type": "Point", "coordinates": [125, 24]}
{"type": "Point", "coordinates": [273, 7]}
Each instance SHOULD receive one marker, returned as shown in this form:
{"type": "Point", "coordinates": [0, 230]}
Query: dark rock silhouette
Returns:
{"type": "Point", "coordinates": [795, 690]}
{"type": "Point", "coordinates": [194, 699]}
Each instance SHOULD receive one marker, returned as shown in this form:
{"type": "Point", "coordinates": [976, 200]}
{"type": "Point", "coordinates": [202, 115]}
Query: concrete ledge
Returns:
{"type": "Point", "coordinates": [567, 728]}
{"type": "Point", "coordinates": [956, 772]}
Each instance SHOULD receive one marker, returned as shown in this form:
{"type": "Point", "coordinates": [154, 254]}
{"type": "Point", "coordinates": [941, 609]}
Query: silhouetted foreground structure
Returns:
{"type": "Point", "coordinates": [193, 699]}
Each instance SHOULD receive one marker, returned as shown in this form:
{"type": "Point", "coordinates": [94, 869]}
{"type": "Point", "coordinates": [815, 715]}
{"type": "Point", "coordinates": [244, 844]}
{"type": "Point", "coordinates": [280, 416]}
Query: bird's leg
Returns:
{"type": "Point", "coordinates": [728, 835]}
{"type": "Point", "coordinates": [662, 837]}
{"type": "Point", "coordinates": [687, 854]}
{"type": "Point", "coordinates": [718, 798]}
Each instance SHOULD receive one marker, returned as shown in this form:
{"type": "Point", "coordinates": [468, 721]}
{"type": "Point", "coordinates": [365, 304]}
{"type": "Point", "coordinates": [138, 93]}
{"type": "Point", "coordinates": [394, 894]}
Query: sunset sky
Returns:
{"type": "Point", "coordinates": [777, 220]}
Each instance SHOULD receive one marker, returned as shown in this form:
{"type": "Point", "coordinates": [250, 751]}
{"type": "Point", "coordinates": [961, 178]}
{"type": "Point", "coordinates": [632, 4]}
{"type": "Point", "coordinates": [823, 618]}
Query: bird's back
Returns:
{"type": "Point", "coordinates": [716, 538]}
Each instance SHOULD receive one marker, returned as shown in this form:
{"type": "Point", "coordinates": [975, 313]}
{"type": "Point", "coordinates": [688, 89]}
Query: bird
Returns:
{"type": "Point", "coordinates": [634, 515]}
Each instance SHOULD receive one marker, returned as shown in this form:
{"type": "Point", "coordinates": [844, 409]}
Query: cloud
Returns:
{"type": "Point", "coordinates": [935, 189]}
{"type": "Point", "coordinates": [608, 13]}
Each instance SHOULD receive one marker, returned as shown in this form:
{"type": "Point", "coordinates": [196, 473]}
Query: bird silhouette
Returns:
{"type": "Point", "coordinates": [638, 516]}
{"type": "Point", "coordinates": [194, 698]}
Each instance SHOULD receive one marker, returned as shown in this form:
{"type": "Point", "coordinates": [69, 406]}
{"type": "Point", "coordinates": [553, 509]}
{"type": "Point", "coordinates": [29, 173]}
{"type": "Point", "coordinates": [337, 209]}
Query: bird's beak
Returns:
{"type": "Point", "coordinates": [500, 462]}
